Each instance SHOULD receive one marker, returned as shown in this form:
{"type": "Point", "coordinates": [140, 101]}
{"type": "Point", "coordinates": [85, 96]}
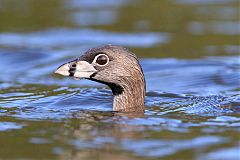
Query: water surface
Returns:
{"type": "Point", "coordinates": [189, 51]}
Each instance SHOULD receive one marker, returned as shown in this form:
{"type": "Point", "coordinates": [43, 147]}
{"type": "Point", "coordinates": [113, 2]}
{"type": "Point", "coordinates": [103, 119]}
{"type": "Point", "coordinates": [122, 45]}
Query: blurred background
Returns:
{"type": "Point", "coordinates": [166, 28]}
{"type": "Point", "coordinates": [186, 48]}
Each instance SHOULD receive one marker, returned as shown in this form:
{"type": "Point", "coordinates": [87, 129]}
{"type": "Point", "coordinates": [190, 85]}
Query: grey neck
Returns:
{"type": "Point", "coordinates": [130, 96]}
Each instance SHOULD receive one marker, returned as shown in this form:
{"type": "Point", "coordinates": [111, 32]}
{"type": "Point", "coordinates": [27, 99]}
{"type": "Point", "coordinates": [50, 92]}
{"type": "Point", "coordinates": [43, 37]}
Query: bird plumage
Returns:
{"type": "Point", "coordinates": [120, 70]}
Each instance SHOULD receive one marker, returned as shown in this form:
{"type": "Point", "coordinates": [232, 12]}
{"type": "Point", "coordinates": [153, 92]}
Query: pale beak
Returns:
{"type": "Point", "coordinates": [76, 69]}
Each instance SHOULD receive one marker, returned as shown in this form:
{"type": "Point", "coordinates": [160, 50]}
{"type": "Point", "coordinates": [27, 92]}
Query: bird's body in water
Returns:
{"type": "Point", "coordinates": [118, 68]}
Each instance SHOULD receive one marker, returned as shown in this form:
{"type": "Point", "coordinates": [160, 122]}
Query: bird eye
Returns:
{"type": "Point", "coordinates": [101, 59]}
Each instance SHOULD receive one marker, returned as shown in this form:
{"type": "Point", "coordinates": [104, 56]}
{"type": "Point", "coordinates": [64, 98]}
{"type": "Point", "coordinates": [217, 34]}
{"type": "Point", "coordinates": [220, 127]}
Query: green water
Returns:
{"type": "Point", "coordinates": [188, 48]}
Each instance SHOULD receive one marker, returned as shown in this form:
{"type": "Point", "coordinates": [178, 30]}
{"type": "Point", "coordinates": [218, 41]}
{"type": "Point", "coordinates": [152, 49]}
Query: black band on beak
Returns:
{"type": "Point", "coordinates": [72, 70]}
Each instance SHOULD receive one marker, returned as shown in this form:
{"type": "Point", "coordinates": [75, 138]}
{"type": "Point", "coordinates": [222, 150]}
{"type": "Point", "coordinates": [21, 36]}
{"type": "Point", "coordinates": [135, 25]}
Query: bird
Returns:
{"type": "Point", "coordinates": [118, 68]}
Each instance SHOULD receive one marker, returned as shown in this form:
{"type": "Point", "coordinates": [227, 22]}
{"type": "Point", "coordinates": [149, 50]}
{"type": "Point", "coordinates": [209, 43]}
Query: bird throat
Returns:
{"type": "Point", "coordinates": [116, 89]}
{"type": "Point", "coordinates": [127, 99]}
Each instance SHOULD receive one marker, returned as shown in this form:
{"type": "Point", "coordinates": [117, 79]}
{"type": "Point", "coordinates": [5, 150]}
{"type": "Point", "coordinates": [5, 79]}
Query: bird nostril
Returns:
{"type": "Point", "coordinates": [73, 65]}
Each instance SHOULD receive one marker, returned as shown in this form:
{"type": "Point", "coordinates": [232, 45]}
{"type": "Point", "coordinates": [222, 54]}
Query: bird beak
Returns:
{"type": "Point", "coordinates": [76, 69]}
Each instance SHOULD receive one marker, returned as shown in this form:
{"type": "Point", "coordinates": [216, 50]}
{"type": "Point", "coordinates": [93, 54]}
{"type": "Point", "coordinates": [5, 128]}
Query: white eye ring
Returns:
{"type": "Point", "coordinates": [96, 58]}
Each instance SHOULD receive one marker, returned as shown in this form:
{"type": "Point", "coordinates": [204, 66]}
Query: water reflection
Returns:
{"type": "Point", "coordinates": [74, 39]}
{"type": "Point", "coordinates": [135, 138]}
{"type": "Point", "coordinates": [162, 26]}
{"type": "Point", "coordinates": [228, 28]}
{"type": "Point", "coordinates": [4, 126]}
{"type": "Point", "coordinates": [204, 1]}
{"type": "Point", "coordinates": [222, 154]}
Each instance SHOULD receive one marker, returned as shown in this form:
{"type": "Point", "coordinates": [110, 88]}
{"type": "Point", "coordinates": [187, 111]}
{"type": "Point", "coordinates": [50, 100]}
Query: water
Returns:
{"type": "Point", "coordinates": [189, 54]}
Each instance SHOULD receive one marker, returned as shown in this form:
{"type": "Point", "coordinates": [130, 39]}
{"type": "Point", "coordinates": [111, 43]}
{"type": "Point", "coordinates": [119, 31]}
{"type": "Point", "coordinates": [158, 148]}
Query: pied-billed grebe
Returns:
{"type": "Point", "coordinates": [115, 67]}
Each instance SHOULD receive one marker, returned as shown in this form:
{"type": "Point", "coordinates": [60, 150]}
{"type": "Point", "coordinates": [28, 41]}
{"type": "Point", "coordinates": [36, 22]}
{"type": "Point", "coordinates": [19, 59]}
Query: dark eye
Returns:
{"type": "Point", "coordinates": [102, 59]}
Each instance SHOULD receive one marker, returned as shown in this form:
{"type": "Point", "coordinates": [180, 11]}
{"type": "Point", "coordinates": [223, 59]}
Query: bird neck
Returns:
{"type": "Point", "coordinates": [129, 96]}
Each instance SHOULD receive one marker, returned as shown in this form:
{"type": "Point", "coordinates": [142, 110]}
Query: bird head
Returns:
{"type": "Point", "coordinates": [112, 65]}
